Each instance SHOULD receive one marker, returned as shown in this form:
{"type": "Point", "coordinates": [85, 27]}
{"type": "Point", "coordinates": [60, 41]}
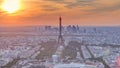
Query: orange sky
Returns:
{"type": "Point", "coordinates": [81, 12]}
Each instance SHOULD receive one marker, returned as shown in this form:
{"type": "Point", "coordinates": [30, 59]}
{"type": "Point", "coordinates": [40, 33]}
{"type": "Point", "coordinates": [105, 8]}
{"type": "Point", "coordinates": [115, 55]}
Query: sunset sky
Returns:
{"type": "Point", "coordinates": [47, 12]}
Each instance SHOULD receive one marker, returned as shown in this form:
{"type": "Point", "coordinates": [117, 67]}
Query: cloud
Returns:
{"type": "Point", "coordinates": [108, 8]}
{"type": "Point", "coordinates": [85, 8]}
{"type": "Point", "coordinates": [72, 4]}
{"type": "Point", "coordinates": [49, 8]}
{"type": "Point", "coordinates": [104, 9]}
{"type": "Point", "coordinates": [76, 7]}
{"type": "Point", "coordinates": [90, 3]}
{"type": "Point", "coordinates": [59, 1]}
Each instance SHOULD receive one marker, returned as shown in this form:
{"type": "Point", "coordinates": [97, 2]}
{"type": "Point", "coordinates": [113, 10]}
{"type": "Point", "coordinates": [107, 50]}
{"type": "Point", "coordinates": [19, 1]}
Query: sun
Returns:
{"type": "Point", "coordinates": [11, 6]}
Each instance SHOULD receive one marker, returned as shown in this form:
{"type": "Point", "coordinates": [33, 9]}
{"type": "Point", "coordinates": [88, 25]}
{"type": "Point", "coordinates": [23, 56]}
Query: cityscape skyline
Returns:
{"type": "Point", "coordinates": [59, 34]}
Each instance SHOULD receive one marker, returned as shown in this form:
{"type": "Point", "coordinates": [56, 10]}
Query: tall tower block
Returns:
{"type": "Point", "coordinates": [60, 37]}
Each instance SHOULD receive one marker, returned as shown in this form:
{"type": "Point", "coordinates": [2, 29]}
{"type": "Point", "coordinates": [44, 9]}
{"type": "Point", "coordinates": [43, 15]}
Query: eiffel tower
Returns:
{"type": "Point", "coordinates": [61, 44]}
{"type": "Point", "coordinates": [60, 37]}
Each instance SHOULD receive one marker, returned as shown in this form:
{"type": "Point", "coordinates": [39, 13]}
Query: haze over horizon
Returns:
{"type": "Point", "coordinates": [73, 12]}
